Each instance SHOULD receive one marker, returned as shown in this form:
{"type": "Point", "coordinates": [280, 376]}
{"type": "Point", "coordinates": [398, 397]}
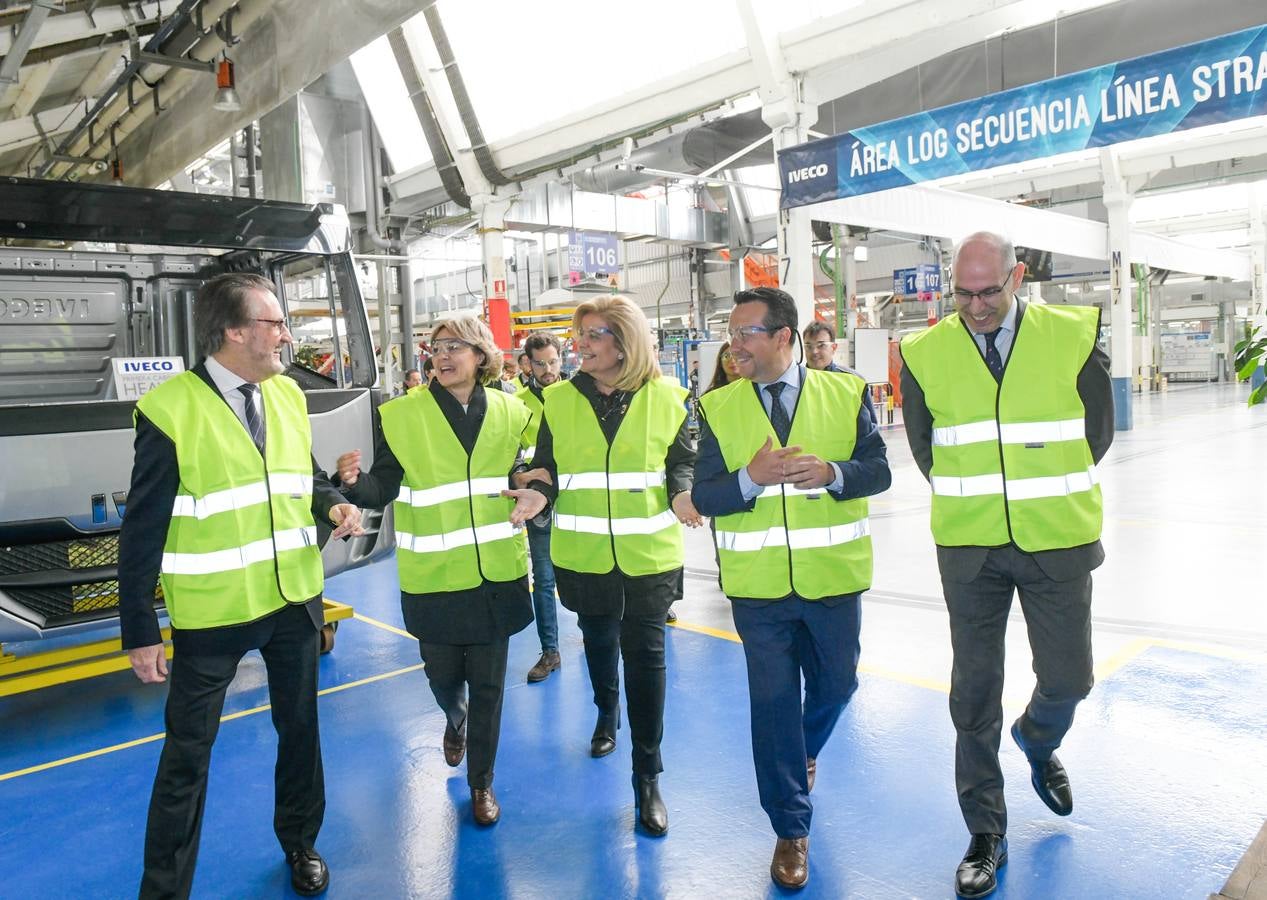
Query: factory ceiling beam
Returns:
{"type": "Point", "coordinates": [76, 25]}
{"type": "Point", "coordinates": [284, 48]}
{"type": "Point", "coordinates": [20, 44]}
{"type": "Point", "coordinates": [33, 85]}
{"type": "Point", "coordinates": [26, 130]}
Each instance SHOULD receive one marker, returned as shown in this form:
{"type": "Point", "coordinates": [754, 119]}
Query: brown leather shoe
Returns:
{"type": "Point", "coordinates": [549, 662]}
{"type": "Point", "coordinates": [811, 769]}
{"type": "Point", "coordinates": [484, 806]}
{"type": "Point", "coordinates": [790, 866]}
{"type": "Point", "coordinates": [454, 744]}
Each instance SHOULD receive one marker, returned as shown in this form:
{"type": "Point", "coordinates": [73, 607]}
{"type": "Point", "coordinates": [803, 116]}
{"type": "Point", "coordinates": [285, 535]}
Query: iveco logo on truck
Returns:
{"type": "Point", "coordinates": [43, 308]}
{"type": "Point", "coordinates": [805, 173]}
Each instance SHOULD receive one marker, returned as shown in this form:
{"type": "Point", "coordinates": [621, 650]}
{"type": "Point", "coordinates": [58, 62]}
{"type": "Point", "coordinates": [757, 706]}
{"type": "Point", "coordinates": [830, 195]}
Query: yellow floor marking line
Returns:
{"type": "Point", "coordinates": [1127, 652]}
{"type": "Point", "coordinates": [383, 625]}
{"type": "Point", "coordinates": [149, 739]}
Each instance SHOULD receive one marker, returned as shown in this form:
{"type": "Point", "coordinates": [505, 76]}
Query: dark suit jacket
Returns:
{"type": "Point", "coordinates": [1095, 388]}
{"type": "Point", "coordinates": [717, 493]}
{"type": "Point", "coordinates": [155, 482]}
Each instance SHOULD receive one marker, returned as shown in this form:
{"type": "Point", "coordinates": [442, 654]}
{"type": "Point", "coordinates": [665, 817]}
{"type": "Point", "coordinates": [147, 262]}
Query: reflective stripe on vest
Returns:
{"type": "Point", "coordinates": [453, 528]}
{"type": "Point", "coordinates": [239, 557]}
{"type": "Point", "coordinates": [1011, 462]}
{"type": "Point", "coordinates": [241, 543]}
{"type": "Point", "coordinates": [463, 537]}
{"type": "Point", "coordinates": [793, 539]}
{"type": "Point", "coordinates": [489, 487]}
{"type": "Point", "coordinates": [613, 508]}
{"type": "Point", "coordinates": [241, 497]}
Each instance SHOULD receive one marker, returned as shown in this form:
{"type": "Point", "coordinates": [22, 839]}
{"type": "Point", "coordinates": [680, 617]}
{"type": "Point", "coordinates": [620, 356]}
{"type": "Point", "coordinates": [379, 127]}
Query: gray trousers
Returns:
{"type": "Point", "coordinates": [1058, 619]}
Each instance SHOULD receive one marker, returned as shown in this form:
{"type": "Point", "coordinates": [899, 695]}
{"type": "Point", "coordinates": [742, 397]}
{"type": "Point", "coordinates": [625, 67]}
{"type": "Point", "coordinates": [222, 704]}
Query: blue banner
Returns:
{"type": "Point", "coordinates": [1218, 80]}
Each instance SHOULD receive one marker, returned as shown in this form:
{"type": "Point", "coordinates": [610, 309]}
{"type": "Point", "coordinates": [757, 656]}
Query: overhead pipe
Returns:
{"type": "Point", "coordinates": [446, 168]}
{"type": "Point", "coordinates": [129, 116]}
{"type": "Point", "coordinates": [466, 110]}
{"type": "Point", "coordinates": [36, 13]}
{"type": "Point", "coordinates": [373, 189]}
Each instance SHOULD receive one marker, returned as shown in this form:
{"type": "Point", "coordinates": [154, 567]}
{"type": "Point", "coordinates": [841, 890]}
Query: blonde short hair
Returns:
{"type": "Point", "coordinates": [475, 333]}
{"type": "Point", "coordinates": [632, 333]}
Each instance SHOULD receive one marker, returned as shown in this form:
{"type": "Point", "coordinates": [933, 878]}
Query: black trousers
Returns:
{"type": "Point", "coordinates": [194, 703]}
{"type": "Point", "coordinates": [1058, 619]}
{"type": "Point", "coordinates": [450, 669]}
{"type": "Point", "coordinates": [640, 640]}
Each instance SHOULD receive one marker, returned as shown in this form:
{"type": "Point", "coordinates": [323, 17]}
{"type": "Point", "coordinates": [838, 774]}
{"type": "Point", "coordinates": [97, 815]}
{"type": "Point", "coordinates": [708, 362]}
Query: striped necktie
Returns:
{"type": "Point", "coordinates": [254, 422]}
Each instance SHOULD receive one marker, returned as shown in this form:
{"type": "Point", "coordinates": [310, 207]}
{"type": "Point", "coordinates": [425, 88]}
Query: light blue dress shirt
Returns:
{"type": "Point", "coordinates": [792, 378]}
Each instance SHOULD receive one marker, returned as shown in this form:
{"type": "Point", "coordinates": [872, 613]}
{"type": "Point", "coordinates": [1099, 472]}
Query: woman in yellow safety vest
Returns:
{"type": "Point", "coordinates": [443, 459]}
{"type": "Point", "coordinates": [622, 466]}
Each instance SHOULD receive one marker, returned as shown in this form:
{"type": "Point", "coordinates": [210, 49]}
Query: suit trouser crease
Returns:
{"type": "Point", "coordinates": [452, 670]}
{"type": "Point", "coordinates": [1058, 623]}
{"type": "Point", "coordinates": [639, 640]}
{"type": "Point", "coordinates": [544, 609]}
{"type": "Point", "coordinates": [785, 641]}
{"type": "Point", "coordinates": [195, 702]}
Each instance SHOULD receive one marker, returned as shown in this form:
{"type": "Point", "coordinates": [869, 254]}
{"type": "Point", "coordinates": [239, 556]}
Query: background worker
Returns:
{"type": "Point", "coordinates": [1008, 407]}
{"type": "Point", "coordinates": [820, 347]}
{"type": "Point", "coordinates": [724, 371]}
{"type": "Point", "coordinates": [787, 456]}
{"type": "Point", "coordinates": [224, 463]}
{"type": "Point", "coordinates": [525, 368]}
{"type": "Point", "coordinates": [544, 354]}
{"type": "Point", "coordinates": [622, 466]}
{"type": "Point", "coordinates": [444, 456]}
{"type": "Point", "coordinates": [413, 378]}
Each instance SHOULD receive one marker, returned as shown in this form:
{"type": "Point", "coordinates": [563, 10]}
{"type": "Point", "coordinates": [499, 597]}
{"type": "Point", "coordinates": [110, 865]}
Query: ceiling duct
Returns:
{"type": "Point", "coordinates": [450, 177]}
{"type": "Point", "coordinates": [479, 146]}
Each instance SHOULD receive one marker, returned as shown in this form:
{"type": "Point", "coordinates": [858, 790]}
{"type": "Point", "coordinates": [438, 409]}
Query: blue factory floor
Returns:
{"type": "Point", "coordinates": [1166, 757]}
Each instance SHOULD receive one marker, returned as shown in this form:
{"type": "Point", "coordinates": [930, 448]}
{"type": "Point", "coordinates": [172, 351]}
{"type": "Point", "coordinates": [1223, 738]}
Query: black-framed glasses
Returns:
{"type": "Point", "coordinates": [278, 324]}
{"type": "Point", "coordinates": [448, 347]}
{"type": "Point", "coordinates": [989, 293]}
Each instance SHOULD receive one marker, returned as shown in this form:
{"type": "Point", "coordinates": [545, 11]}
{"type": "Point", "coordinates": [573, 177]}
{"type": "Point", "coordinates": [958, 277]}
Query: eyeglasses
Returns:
{"type": "Point", "coordinates": [746, 332]}
{"type": "Point", "coordinates": [448, 348]}
{"type": "Point", "coordinates": [988, 294]}
{"type": "Point", "coordinates": [726, 357]}
{"type": "Point", "coordinates": [819, 345]}
{"type": "Point", "coordinates": [278, 324]}
{"type": "Point", "coordinates": [593, 334]}
{"type": "Point", "coordinates": [545, 363]}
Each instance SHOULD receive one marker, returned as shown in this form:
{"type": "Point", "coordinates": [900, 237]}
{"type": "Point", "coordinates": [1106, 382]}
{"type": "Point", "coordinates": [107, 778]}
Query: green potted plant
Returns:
{"type": "Point", "coordinates": [1249, 356]}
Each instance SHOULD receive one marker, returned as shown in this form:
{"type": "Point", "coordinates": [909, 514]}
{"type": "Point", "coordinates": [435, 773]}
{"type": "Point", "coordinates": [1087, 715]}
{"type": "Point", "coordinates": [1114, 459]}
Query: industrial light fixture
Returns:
{"type": "Point", "coordinates": [227, 99]}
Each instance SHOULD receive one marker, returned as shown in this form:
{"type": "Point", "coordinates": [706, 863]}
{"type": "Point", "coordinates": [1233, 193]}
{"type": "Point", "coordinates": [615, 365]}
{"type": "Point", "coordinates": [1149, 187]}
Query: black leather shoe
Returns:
{"type": "Point", "coordinates": [604, 739]}
{"type": "Point", "coordinates": [977, 874]}
{"type": "Point", "coordinates": [652, 813]}
{"type": "Point", "coordinates": [454, 743]}
{"type": "Point", "coordinates": [670, 617]}
{"type": "Point", "coordinates": [308, 873]}
{"type": "Point", "coordinates": [1048, 776]}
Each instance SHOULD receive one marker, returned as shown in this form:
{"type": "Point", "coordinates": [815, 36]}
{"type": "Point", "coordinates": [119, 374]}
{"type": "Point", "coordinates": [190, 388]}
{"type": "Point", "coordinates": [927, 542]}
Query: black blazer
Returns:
{"type": "Point", "coordinates": [1095, 388]}
{"type": "Point", "coordinates": [155, 482]}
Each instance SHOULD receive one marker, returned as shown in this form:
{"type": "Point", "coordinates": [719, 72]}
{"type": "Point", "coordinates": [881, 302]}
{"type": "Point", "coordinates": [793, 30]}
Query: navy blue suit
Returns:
{"type": "Point", "coordinates": [790, 637]}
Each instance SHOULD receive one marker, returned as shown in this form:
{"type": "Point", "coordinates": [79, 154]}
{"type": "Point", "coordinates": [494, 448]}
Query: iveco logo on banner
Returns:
{"type": "Point", "coordinates": [811, 176]}
{"type": "Point", "coordinates": [1204, 83]}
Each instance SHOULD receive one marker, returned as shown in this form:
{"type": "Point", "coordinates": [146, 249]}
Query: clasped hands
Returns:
{"type": "Point", "coordinates": [787, 465]}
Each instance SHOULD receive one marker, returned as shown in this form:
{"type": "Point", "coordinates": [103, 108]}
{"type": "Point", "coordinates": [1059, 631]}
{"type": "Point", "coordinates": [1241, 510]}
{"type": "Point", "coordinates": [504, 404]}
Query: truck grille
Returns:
{"type": "Point", "coordinates": [76, 603]}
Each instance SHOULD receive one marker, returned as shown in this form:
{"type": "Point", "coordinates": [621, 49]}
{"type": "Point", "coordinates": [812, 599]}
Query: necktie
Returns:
{"type": "Point", "coordinates": [778, 412]}
{"type": "Point", "coordinates": [254, 423]}
{"type": "Point", "coordinates": [993, 360]}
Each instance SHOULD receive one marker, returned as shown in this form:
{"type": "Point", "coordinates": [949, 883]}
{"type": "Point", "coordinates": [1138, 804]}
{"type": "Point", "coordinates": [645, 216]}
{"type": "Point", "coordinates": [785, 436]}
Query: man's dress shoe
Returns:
{"type": "Point", "coordinates": [1048, 776]}
{"type": "Point", "coordinates": [790, 866]}
{"type": "Point", "coordinates": [308, 873]}
{"type": "Point", "coordinates": [977, 874]}
{"type": "Point", "coordinates": [549, 662]}
{"type": "Point", "coordinates": [651, 810]}
{"type": "Point", "coordinates": [811, 769]}
{"type": "Point", "coordinates": [454, 744]}
{"type": "Point", "coordinates": [484, 806]}
{"type": "Point", "coordinates": [604, 738]}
